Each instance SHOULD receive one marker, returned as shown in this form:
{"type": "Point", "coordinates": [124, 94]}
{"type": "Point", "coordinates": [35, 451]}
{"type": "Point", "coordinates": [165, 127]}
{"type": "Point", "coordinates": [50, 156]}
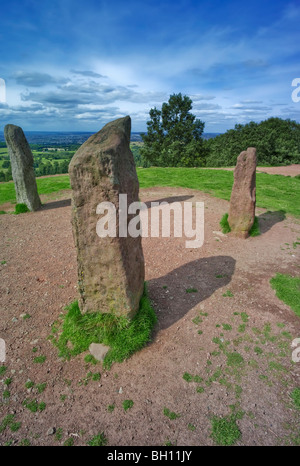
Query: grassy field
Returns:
{"type": "Point", "coordinates": [46, 185]}
{"type": "Point", "coordinates": [273, 192]}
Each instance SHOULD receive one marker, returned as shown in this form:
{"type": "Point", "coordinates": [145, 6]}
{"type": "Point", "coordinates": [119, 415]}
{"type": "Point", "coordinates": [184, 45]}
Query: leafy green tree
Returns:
{"type": "Point", "coordinates": [6, 164]}
{"type": "Point", "coordinates": [8, 175]}
{"type": "Point", "coordinates": [174, 135]}
{"type": "Point", "coordinates": [277, 142]}
{"type": "Point", "coordinates": [64, 166]}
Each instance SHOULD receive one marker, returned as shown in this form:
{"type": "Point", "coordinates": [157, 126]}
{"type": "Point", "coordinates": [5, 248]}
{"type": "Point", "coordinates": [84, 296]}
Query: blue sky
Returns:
{"type": "Point", "coordinates": [74, 65]}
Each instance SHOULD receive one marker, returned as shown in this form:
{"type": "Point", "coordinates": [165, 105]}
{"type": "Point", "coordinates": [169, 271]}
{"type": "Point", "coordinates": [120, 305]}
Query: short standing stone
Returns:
{"type": "Point", "coordinates": [22, 167]}
{"type": "Point", "coordinates": [111, 270]}
{"type": "Point", "coordinates": [243, 197]}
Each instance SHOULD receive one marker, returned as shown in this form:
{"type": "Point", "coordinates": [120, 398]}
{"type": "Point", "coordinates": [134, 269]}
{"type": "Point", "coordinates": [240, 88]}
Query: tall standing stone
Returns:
{"type": "Point", "coordinates": [110, 269]}
{"type": "Point", "coordinates": [243, 196]}
{"type": "Point", "coordinates": [21, 159]}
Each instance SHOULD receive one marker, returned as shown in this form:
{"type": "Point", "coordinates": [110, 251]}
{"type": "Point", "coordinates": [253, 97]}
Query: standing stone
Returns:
{"type": "Point", "coordinates": [111, 270]}
{"type": "Point", "coordinates": [21, 159]}
{"type": "Point", "coordinates": [242, 202]}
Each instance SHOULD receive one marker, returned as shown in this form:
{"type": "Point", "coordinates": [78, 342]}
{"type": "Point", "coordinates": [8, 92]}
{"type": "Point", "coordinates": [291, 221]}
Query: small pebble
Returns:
{"type": "Point", "coordinates": [51, 431]}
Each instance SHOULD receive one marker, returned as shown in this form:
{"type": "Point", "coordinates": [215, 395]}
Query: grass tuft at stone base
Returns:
{"type": "Point", "coordinates": [21, 209]}
{"type": "Point", "coordinates": [224, 224]}
{"type": "Point", "coordinates": [75, 333]}
{"type": "Point", "coordinates": [254, 230]}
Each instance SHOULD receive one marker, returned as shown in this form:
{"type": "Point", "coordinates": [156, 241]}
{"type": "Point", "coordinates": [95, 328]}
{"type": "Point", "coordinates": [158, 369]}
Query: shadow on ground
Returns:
{"type": "Point", "coordinates": [56, 204]}
{"type": "Point", "coordinates": [176, 293]}
{"type": "Point", "coordinates": [269, 219]}
{"type": "Point", "coordinates": [67, 202]}
{"type": "Point", "coordinates": [170, 200]}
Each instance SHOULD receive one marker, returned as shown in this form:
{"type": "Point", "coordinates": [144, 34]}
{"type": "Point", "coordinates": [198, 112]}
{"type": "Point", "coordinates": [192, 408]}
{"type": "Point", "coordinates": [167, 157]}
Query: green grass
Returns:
{"type": "Point", "coordinates": [9, 421]}
{"type": "Point", "coordinates": [192, 378]}
{"type": "Point", "coordinates": [234, 359]}
{"type": "Point", "coordinates": [127, 404]}
{"type": "Point", "coordinates": [274, 192]}
{"type": "Point", "coordinates": [224, 224]}
{"type": "Point", "coordinates": [254, 230]}
{"type": "Point", "coordinates": [58, 434]}
{"type": "Point", "coordinates": [6, 394]}
{"type": "Point", "coordinates": [69, 442]}
{"type": "Point", "coordinates": [295, 395]}
{"type": "Point", "coordinates": [21, 209]}
{"type": "Point", "coordinates": [98, 441]}
{"type": "Point", "coordinates": [123, 336]}
{"type": "Point", "coordinates": [29, 384]}
{"type": "Point", "coordinates": [44, 185]}
{"type": "Point", "coordinates": [41, 387]}
{"type": "Point", "coordinates": [225, 431]}
{"type": "Point", "coordinates": [110, 408]}
{"type": "Point", "coordinates": [191, 290]}
{"type": "Point", "coordinates": [34, 405]}
{"type": "Point", "coordinates": [288, 290]}
{"type": "Point", "coordinates": [25, 442]}
{"type": "Point", "coordinates": [39, 359]}
{"type": "Point", "coordinates": [170, 414]}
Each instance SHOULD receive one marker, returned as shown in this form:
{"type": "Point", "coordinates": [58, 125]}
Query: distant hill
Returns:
{"type": "Point", "coordinates": [59, 138]}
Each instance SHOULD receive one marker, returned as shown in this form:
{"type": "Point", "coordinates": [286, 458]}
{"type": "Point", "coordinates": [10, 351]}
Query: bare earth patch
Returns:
{"type": "Point", "coordinates": [222, 347]}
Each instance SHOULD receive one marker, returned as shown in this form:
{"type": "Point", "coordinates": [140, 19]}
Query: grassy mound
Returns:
{"type": "Point", "coordinates": [74, 334]}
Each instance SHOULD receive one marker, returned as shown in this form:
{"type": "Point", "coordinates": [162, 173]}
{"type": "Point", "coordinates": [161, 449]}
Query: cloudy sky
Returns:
{"type": "Point", "coordinates": [74, 65]}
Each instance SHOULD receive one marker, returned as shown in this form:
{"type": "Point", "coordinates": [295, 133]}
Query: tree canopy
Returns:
{"type": "Point", "coordinates": [174, 135]}
{"type": "Point", "coordinates": [277, 142]}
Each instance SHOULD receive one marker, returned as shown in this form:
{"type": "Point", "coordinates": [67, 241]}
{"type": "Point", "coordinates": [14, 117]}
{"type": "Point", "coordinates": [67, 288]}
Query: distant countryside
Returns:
{"type": "Point", "coordinates": [277, 142]}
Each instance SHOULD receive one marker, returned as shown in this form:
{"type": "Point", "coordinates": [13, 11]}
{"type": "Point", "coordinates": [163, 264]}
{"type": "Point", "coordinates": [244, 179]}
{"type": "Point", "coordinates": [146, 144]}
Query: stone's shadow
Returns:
{"type": "Point", "coordinates": [56, 204]}
{"type": "Point", "coordinates": [175, 294]}
{"type": "Point", "coordinates": [67, 202]}
{"type": "Point", "coordinates": [269, 219]}
{"type": "Point", "coordinates": [170, 200]}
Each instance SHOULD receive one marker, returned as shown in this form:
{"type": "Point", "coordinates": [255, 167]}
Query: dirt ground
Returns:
{"type": "Point", "coordinates": [38, 279]}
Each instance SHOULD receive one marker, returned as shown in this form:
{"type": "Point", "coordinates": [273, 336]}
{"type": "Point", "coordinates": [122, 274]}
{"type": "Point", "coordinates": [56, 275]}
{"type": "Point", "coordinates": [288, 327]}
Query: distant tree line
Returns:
{"type": "Point", "coordinates": [42, 167]}
{"type": "Point", "coordinates": [174, 139]}
{"type": "Point", "coordinates": [277, 142]}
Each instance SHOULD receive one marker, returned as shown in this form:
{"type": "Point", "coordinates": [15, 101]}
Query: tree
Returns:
{"type": "Point", "coordinates": [277, 142]}
{"type": "Point", "coordinates": [174, 136]}
{"type": "Point", "coordinates": [6, 164]}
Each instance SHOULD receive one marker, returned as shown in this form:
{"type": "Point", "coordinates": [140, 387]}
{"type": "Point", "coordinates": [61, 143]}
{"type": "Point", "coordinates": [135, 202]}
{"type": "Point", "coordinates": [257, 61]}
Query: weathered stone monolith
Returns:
{"type": "Point", "coordinates": [21, 159]}
{"type": "Point", "coordinates": [111, 270]}
{"type": "Point", "coordinates": [243, 196]}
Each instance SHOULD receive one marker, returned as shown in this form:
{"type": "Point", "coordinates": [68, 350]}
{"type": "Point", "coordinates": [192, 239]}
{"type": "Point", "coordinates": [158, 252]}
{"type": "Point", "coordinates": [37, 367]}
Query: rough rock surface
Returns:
{"type": "Point", "coordinates": [243, 196]}
{"type": "Point", "coordinates": [111, 270]}
{"type": "Point", "coordinates": [98, 350]}
{"type": "Point", "coordinates": [22, 167]}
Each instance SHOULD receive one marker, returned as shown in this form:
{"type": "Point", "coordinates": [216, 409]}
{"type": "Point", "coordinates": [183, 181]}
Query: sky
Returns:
{"type": "Point", "coordinates": [74, 65]}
